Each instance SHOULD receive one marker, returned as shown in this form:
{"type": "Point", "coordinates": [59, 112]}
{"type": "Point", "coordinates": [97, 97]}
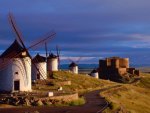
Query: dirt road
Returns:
{"type": "Point", "coordinates": [94, 103]}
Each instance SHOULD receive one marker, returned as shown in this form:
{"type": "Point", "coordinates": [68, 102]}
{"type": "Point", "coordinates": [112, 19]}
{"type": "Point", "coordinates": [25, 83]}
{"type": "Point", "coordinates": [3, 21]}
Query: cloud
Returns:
{"type": "Point", "coordinates": [97, 28]}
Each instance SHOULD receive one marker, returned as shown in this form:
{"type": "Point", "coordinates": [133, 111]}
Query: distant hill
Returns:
{"type": "Point", "coordinates": [81, 66]}
{"type": "Point", "coordinates": [144, 69]}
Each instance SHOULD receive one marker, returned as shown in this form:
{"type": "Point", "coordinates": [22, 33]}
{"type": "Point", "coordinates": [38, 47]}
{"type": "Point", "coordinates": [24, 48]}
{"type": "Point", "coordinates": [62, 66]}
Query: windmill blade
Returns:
{"type": "Point", "coordinates": [19, 37]}
{"type": "Point", "coordinates": [13, 24]}
{"type": "Point", "coordinates": [58, 55]}
{"type": "Point", "coordinates": [43, 40]}
{"type": "Point", "coordinates": [70, 59]}
{"type": "Point", "coordinates": [46, 50]}
{"type": "Point", "coordinates": [58, 51]}
{"type": "Point", "coordinates": [78, 60]}
{"type": "Point", "coordinates": [21, 41]}
{"type": "Point", "coordinates": [11, 18]}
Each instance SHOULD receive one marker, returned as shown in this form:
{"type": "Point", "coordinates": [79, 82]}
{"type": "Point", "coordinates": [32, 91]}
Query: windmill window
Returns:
{"type": "Point", "coordinates": [16, 73]}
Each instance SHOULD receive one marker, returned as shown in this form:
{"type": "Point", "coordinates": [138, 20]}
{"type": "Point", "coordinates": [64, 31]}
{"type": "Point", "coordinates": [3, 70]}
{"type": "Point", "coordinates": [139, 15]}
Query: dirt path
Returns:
{"type": "Point", "coordinates": [93, 105]}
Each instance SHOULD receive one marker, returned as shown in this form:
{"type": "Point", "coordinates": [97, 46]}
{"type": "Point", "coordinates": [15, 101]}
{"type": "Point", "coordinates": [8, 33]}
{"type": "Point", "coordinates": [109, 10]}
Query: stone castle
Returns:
{"type": "Point", "coordinates": [114, 68]}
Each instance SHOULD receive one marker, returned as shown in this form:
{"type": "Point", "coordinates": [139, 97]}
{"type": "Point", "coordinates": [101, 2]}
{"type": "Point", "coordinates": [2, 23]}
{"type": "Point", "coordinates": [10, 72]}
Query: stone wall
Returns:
{"type": "Point", "coordinates": [66, 98]}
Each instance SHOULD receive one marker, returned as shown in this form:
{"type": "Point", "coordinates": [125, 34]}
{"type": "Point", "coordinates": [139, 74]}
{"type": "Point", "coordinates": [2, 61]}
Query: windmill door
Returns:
{"type": "Point", "coordinates": [17, 85]}
{"type": "Point", "coordinates": [38, 76]}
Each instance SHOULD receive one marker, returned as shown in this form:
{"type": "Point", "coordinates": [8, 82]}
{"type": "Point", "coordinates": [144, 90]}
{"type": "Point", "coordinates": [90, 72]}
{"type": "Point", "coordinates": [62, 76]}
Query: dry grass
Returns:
{"type": "Point", "coordinates": [144, 81]}
{"type": "Point", "coordinates": [133, 98]}
{"type": "Point", "coordinates": [80, 83]}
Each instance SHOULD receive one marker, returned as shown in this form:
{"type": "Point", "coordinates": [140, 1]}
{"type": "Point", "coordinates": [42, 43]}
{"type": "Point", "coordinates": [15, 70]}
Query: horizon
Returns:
{"type": "Point", "coordinates": [91, 30]}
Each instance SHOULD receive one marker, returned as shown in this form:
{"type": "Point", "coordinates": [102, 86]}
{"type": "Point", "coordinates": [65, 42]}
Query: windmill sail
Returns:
{"type": "Point", "coordinates": [19, 37]}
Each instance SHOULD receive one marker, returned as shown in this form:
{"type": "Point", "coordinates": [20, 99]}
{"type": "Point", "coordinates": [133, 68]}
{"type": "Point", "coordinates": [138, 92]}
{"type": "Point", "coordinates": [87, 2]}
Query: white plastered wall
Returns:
{"type": "Point", "coordinates": [95, 75]}
{"type": "Point", "coordinates": [74, 69]}
{"type": "Point", "coordinates": [42, 67]}
{"type": "Point", "coordinates": [16, 69]}
{"type": "Point", "coordinates": [52, 64]}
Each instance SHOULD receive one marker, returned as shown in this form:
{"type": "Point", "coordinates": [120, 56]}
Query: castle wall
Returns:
{"type": "Point", "coordinates": [113, 68]}
{"type": "Point", "coordinates": [115, 63]}
{"type": "Point", "coordinates": [124, 62]}
{"type": "Point", "coordinates": [102, 63]}
{"type": "Point", "coordinates": [137, 72]}
{"type": "Point", "coordinates": [122, 71]}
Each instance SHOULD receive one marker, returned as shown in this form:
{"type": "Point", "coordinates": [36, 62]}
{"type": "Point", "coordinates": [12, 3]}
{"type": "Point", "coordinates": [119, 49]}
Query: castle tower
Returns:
{"type": "Point", "coordinates": [124, 62]}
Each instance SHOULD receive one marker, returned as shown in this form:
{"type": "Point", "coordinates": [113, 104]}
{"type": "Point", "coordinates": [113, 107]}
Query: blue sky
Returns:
{"type": "Point", "coordinates": [92, 29]}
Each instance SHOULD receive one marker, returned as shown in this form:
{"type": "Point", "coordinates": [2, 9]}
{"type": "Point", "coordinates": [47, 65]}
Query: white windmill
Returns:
{"type": "Point", "coordinates": [15, 69]}
{"type": "Point", "coordinates": [73, 67]}
{"type": "Point", "coordinates": [94, 73]}
{"type": "Point", "coordinates": [41, 65]}
{"type": "Point", "coordinates": [53, 61]}
{"type": "Point", "coordinates": [17, 75]}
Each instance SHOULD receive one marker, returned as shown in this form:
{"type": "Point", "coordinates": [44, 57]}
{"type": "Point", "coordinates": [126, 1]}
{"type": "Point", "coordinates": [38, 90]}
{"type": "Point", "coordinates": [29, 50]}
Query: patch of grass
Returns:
{"type": "Point", "coordinates": [144, 81]}
{"type": "Point", "coordinates": [80, 83]}
{"type": "Point", "coordinates": [134, 99]}
{"type": "Point", "coordinates": [6, 106]}
{"type": "Point", "coordinates": [78, 102]}
{"type": "Point", "coordinates": [113, 107]}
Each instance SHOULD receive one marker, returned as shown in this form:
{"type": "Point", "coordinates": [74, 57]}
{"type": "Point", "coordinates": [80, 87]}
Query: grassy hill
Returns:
{"type": "Point", "coordinates": [130, 98]}
{"type": "Point", "coordinates": [79, 83]}
{"type": "Point", "coordinates": [70, 84]}
{"type": "Point", "coordinates": [125, 98]}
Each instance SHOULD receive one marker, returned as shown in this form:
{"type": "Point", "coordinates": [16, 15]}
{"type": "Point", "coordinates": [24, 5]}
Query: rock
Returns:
{"type": "Point", "coordinates": [39, 103]}
{"type": "Point", "coordinates": [50, 94]}
{"type": "Point", "coordinates": [27, 102]}
{"type": "Point", "coordinates": [46, 102]}
{"type": "Point", "coordinates": [17, 103]}
{"type": "Point", "coordinates": [60, 89]}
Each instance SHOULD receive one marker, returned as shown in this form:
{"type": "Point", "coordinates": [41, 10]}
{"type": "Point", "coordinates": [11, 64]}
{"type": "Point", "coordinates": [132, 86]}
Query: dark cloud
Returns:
{"type": "Point", "coordinates": [97, 28]}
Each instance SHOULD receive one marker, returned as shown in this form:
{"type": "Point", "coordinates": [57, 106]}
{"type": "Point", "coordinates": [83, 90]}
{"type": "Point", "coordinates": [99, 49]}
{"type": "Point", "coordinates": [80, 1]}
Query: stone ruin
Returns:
{"type": "Point", "coordinates": [116, 68]}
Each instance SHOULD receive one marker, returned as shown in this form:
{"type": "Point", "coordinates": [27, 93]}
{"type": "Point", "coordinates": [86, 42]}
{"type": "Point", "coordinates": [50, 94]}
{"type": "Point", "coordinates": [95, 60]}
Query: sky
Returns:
{"type": "Point", "coordinates": [91, 29]}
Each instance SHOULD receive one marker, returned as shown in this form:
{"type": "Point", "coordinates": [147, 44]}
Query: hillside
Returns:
{"type": "Point", "coordinates": [144, 69]}
{"type": "Point", "coordinates": [62, 85]}
{"type": "Point", "coordinates": [123, 98]}
{"type": "Point", "coordinates": [133, 98]}
{"type": "Point", "coordinates": [79, 83]}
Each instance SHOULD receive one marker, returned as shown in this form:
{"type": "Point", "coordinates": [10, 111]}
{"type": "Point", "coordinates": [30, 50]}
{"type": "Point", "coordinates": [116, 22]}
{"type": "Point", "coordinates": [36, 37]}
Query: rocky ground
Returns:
{"type": "Point", "coordinates": [94, 103]}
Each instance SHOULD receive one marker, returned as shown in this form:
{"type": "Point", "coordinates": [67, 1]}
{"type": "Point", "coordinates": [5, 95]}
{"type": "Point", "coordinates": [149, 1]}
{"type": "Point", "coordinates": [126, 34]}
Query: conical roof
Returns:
{"type": "Point", "coordinates": [38, 58]}
{"type": "Point", "coordinates": [73, 64]}
{"type": "Point", "coordinates": [52, 56]}
{"type": "Point", "coordinates": [94, 71]}
{"type": "Point", "coordinates": [13, 51]}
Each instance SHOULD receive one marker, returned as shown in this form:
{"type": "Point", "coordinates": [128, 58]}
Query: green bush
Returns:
{"type": "Point", "coordinates": [77, 102]}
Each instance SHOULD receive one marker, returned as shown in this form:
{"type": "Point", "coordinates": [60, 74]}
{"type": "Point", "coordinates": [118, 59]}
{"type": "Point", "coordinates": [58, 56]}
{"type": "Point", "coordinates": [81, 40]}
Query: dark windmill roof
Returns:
{"type": "Point", "coordinates": [72, 64]}
{"type": "Point", "coordinates": [94, 71]}
{"type": "Point", "coordinates": [38, 59]}
{"type": "Point", "coordinates": [13, 51]}
{"type": "Point", "coordinates": [52, 56]}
